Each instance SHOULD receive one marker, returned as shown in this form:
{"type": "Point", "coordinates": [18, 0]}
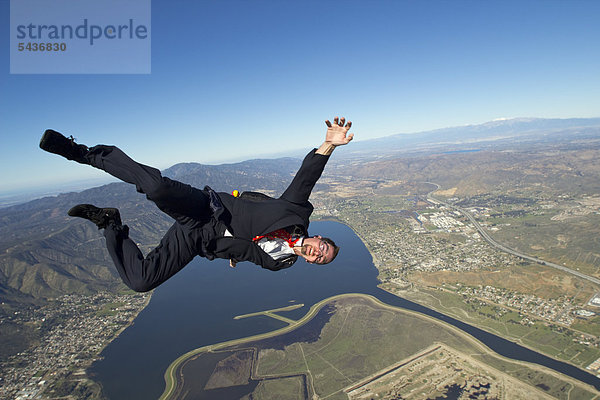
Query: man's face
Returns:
{"type": "Point", "coordinates": [316, 250]}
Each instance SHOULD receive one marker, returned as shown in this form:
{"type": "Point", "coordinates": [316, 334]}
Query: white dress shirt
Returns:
{"type": "Point", "coordinates": [277, 248]}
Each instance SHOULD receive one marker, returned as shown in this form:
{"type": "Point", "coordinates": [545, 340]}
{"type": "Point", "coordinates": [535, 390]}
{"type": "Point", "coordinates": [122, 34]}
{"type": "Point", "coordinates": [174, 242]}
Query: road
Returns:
{"type": "Point", "coordinates": [502, 247]}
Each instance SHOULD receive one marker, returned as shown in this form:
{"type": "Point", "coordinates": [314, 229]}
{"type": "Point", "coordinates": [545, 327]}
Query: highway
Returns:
{"type": "Point", "coordinates": [504, 248]}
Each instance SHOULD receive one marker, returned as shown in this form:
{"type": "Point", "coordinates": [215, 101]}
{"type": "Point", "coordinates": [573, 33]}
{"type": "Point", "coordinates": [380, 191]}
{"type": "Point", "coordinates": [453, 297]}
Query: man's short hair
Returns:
{"type": "Point", "coordinates": [336, 249]}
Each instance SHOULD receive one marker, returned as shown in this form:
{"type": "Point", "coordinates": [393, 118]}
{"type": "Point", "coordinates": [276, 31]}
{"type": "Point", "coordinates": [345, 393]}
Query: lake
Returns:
{"type": "Point", "coordinates": [196, 308]}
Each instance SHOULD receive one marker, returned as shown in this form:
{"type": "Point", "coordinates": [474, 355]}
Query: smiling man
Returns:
{"type": "Point", "coordinates": [270, 232]}
{"type": "Point", "coordinates": [318, 250]}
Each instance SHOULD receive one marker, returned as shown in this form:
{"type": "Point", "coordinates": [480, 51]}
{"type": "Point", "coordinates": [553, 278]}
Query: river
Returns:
{"type": "Point", "coordinates": [196, 308]}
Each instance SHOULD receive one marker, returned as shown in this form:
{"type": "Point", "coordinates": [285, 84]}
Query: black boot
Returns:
{"type": "Point", "coordinates": [102, 217]}
{"type": "Point", "coordinates": [55, 142]}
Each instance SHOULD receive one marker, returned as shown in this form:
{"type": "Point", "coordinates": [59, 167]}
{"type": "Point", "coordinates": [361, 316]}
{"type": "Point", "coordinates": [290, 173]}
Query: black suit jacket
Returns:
{"type": "Point", "coordinates": [247, 218]}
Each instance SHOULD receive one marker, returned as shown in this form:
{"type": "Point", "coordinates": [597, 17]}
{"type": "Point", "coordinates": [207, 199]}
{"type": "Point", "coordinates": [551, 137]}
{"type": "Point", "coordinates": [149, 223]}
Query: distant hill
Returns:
{"type": "Point", "coordinates": [484, 135]}
{"type": "Point", "coordinates": [267, 174]}
{"type": "Point", "coordinates": [44, 253]}
{"type": "Point", "coordinates": [562, 159]}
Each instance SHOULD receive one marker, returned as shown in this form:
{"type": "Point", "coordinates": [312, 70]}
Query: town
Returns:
{"type": "Point", "coordinates": [73, 331]}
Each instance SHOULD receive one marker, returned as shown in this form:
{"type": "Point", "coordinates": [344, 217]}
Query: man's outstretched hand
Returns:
{"type": "Point", "coordinates": [337, 135]}
{"type": "Point", "coordinates": [337, 132]}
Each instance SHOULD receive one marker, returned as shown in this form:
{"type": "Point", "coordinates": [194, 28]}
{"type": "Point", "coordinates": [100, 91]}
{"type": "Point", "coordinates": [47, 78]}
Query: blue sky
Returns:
{"type": "Point", "coordinates": [233, 80]}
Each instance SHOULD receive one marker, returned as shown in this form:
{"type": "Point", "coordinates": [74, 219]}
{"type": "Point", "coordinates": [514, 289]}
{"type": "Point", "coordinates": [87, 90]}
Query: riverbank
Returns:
{"type": "Point", "coordinates": [97, 356]}
{"type": "Point", "coordinates": [132, 318]}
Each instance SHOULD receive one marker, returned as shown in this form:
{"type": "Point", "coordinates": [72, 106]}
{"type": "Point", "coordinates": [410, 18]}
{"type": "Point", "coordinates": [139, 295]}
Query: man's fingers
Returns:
{"type": "Point", "coordinates": [349, 137]}
{"type": "Point", "coordinates": [339, 122]}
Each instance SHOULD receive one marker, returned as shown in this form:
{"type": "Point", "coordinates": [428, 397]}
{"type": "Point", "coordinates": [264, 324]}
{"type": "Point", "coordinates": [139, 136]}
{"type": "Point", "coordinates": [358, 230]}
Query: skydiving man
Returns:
{"type": "Point", "coordinates": [270, 232]}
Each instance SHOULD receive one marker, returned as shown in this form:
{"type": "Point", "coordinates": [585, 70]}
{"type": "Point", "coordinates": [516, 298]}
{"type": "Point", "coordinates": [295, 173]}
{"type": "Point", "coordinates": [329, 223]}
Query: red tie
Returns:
{"type": "Point", "coordinates": [278, 234]}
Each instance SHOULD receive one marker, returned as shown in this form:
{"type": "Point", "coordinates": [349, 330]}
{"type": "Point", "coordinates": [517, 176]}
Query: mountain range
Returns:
{"type": "Point", "coordinates": [493, 133]}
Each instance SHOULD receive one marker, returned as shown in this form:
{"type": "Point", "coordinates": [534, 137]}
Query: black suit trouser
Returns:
{"type": "Point", "coordinates": [189, 206]}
